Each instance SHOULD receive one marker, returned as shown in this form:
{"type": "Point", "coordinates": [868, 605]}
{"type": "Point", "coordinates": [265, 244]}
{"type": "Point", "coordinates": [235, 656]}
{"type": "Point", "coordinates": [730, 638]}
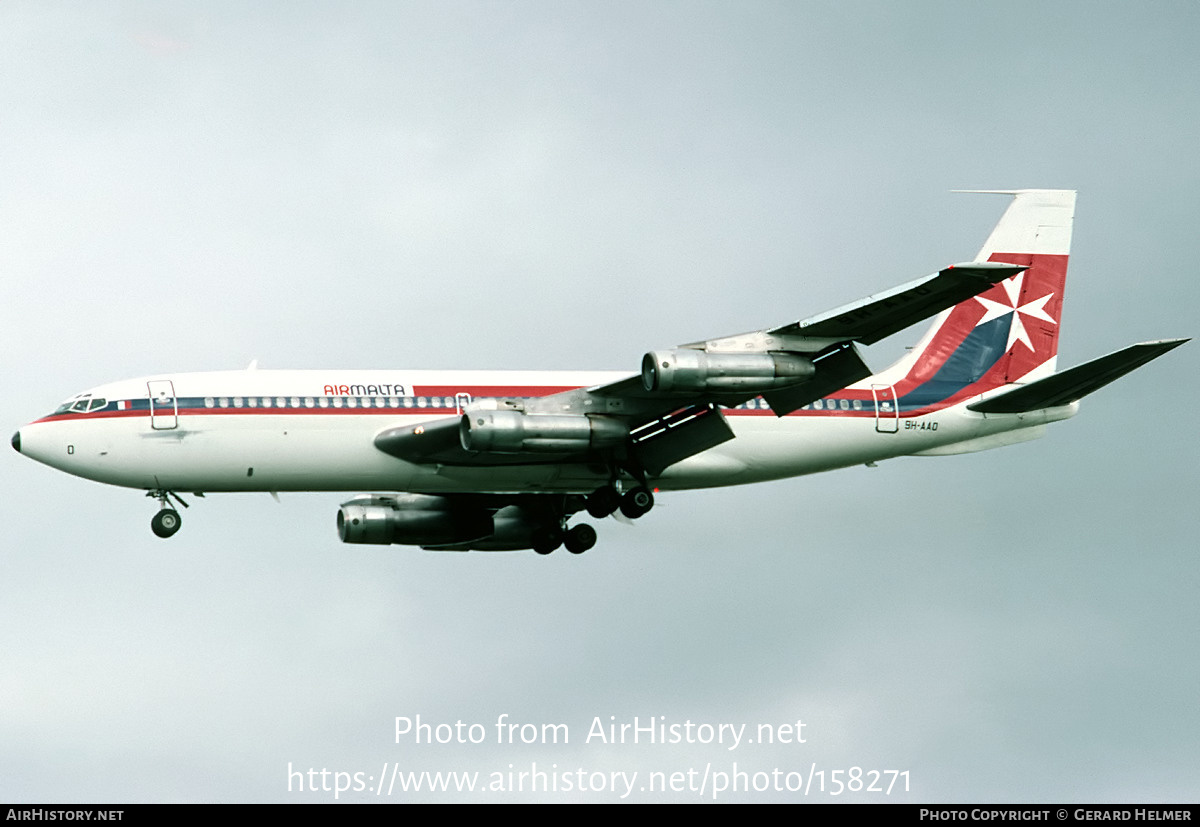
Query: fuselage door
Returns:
{"type": "Point", "coordinates": [164, 408]}
{"type": "Point", "coordinates": [887, 412]}
{"type": "Point", "coordinates": [461, 400]}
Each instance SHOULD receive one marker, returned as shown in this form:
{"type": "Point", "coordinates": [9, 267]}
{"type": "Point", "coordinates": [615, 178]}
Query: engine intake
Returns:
{"type": "Point", "coordinates": [515, 432]}
{"type": "Point", "coordinates": [696, 371]}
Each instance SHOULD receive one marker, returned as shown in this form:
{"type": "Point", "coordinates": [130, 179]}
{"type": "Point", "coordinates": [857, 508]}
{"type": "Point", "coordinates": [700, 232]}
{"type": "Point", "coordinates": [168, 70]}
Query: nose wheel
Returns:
{"type": "Point", "coordinates": [166, 522]}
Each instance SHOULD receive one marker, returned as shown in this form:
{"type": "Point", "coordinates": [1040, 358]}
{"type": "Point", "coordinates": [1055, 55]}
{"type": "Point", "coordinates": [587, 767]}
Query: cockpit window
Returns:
{"type": "Point", "coordinates": [85, 403]}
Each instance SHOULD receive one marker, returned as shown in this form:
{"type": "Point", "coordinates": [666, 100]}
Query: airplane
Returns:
{"type": "Point", "coordinates": [502, 461]}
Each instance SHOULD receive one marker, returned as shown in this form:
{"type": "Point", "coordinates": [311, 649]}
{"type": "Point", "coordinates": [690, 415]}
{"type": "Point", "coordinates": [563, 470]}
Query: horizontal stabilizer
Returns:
{"type": "Point", "coordinates": [879, 316]}
{"type": "Point", "coordinates": [1076, 383]}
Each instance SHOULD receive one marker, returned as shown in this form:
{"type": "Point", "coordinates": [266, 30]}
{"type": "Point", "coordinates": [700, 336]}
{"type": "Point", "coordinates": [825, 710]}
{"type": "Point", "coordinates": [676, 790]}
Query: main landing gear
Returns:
{"type": "Point", "coordinates": [634, 503]}
{"type": "Point", "coordinates": [167, 521]}
{"type": "Point", "coordinates": [600, 503]}
{"type": "Point", "coordinates": [577, 540]}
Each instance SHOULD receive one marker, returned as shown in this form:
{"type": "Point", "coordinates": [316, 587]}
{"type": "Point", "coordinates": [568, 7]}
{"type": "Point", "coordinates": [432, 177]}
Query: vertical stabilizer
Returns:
{"type": "Point", "coordinates": [1037, 222]}
{"type": "Point", "coordinates": [1010, 332]}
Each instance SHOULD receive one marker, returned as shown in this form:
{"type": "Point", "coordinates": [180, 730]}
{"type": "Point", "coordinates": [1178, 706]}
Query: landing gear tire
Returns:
{"type": "Point", "coordinates": [603, 501]}
{"type": "Point", "coordinates": [580, 539]}
{"type": "Point", "coordinates": [636, 502]}
{"type": "Point", "coordinates": [546, 540]}
{"type": "Point", "coordinates": [166, 522]}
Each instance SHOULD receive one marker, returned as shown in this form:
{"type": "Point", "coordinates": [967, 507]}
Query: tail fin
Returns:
{"type": "Point", "coordinates": [1009, 333]}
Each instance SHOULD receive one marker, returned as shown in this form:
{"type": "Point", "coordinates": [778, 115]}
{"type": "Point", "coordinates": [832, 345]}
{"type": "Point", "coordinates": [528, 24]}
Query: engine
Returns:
{"type": "Point", "coordinates": [516, 432]}
{"type": "Point", "coordinates": [696, 371]}
{"type": "Point", "coordinates": [514, 529]}
{"type": "Point", "coordinates": [436, 523]}
{"type": "Point", "coordinates": [411, 519]}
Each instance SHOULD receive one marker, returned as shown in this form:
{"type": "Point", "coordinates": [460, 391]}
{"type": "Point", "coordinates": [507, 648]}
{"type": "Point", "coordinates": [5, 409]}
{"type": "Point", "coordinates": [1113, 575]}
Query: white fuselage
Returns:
{"type": "Point", "coordinates": [314, 431]}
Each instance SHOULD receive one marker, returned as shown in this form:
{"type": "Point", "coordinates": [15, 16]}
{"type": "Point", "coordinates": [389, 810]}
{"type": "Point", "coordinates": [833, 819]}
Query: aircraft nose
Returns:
{"type": "Point", "coordinates": [16, 442]}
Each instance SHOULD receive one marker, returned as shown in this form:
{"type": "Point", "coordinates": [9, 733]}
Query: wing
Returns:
{"type": "Point", "coordinates": [671, 411]}
{"type": "Point", "coordinates": [795, 364]}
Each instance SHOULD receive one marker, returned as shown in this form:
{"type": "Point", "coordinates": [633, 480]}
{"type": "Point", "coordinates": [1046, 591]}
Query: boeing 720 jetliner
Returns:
{"type": "Point", "coordinates": [504, 461]}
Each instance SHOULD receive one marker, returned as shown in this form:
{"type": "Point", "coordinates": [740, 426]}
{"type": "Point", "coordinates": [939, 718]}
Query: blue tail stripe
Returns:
{"type": "Point", "coordinates": [977, 354]}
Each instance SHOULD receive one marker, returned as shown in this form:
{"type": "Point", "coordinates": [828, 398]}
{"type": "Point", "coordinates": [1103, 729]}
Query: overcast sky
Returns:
{"type": "Point", "coordinates": [566, 185]}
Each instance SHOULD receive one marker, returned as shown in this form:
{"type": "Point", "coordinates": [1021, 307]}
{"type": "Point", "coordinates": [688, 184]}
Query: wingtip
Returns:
{"type": "Point", "coordinates": [1165, 344]}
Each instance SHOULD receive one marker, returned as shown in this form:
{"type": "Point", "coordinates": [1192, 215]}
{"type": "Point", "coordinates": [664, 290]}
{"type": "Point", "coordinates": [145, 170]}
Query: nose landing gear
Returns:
{"type": "Point", "coordinates": [167, 521]}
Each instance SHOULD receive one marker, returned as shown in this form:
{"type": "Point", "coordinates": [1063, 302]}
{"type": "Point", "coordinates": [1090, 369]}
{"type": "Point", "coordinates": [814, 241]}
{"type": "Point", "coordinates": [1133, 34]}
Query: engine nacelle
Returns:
{"type": "Point", "coordinates": [513, 529]}
{"type": "Point", "coordinates": [696, 371]}
{"type": "Point", "coordinates": [515, 432]}
{"type": "Point", "coordinates": [437, 524]}
{"type": "Point", "coordinates": [411, 519]}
